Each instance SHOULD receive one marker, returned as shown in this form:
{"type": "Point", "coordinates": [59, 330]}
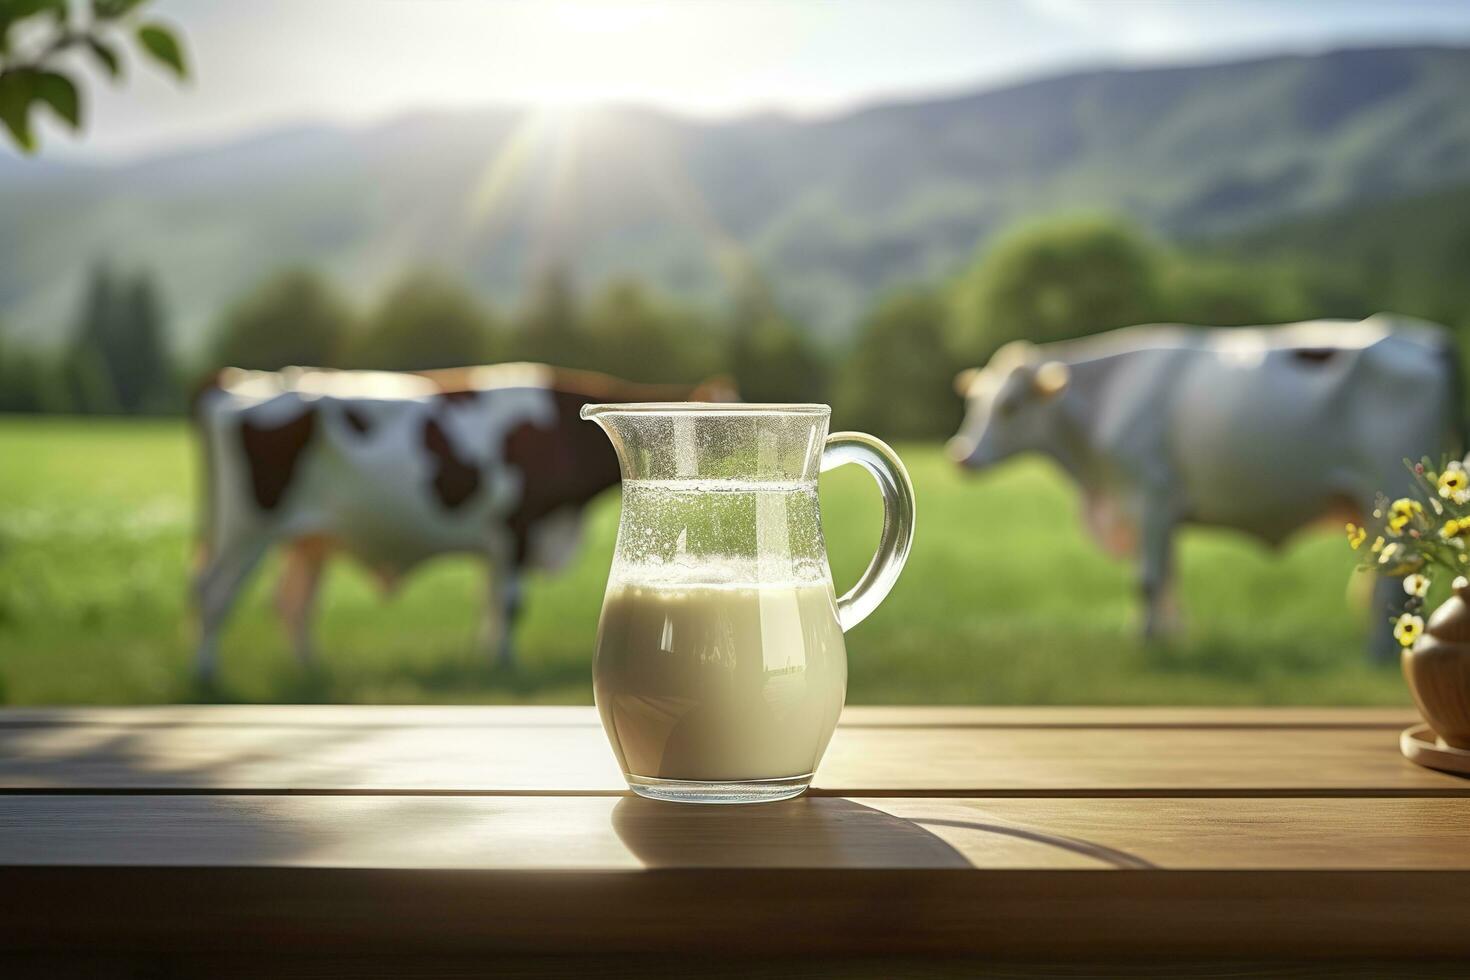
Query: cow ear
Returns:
{"type": "Point", "coordinates": [1051, 378]}
{"type": "Point", "coordinates": [964, 380]}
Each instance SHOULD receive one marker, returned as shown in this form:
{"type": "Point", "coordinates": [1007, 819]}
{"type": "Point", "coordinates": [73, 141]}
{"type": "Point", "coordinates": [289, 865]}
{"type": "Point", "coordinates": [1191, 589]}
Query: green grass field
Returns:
{"type": "Point", "coordinates": [1003, 601]}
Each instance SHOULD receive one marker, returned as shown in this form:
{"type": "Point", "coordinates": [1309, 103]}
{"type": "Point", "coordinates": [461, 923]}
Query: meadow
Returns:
{"type": "Point", "coordinates": [1004, 601]}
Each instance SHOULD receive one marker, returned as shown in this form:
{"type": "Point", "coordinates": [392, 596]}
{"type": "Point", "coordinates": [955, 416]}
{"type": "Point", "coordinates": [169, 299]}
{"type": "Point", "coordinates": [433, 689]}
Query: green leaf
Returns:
{"type": "Point", "coordinates": [106, 54]}
{"type": "Point", "coordinates": [57, 91]}
{"type": "Point", "coordinates": [160, 42]}
{"type": "Point", "coordinates": [113, 9]}
{"type": "Point", "coordinates": [30, 8]}
{"type": "Point", "coordinates": [14, 11]}
{"type": "Point", "coordinates": [15, 106]}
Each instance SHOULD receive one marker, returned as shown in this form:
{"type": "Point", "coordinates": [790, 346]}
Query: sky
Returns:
{"type": "Point", "coordinates": [269, 63]}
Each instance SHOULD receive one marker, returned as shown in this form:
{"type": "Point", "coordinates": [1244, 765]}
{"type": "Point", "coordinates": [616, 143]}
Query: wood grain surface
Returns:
{"type": "Point", "coordinates": [210, 835]}
{"type": "Point", "coordinates": [563, 751]}
{"type": "Point", "coordinates": [630, 834]}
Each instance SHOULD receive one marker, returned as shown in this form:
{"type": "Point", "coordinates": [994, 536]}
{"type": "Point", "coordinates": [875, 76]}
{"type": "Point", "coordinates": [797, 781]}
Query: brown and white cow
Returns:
{"type": "Point", "coordinates": [393, 468]}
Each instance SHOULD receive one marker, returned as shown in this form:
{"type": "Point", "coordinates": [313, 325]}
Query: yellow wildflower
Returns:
{"type": "Point", "coordinates": [1406, 506]}
{"type": "Point", "coordinates": [1407, 629]}
{"type": "Point", "coordinates": [1416, 584]}
{"type": "Point", "coordinates": [1388, 552]}
{"type": "Point", "coordinates": [1453, 480]}
{"type": "Point", "coordinates": [1377, 545]}
{"type": "Point", "coordinates": [1356, 535]}
{"type": "Point", "coordinates": [1453, 529]}
{"type": "Point", "coordinates": [1402, 512]}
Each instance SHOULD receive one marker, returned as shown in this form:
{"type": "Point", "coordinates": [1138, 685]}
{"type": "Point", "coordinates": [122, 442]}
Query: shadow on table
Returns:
{"type": "Point", "coordinates": [1110, 856]}
{"type": "Point", "coordinates": [808, 832]}
{"type": "Point", "coordinates": [67, 757]}
{"type": "Point", "coordinates": [813, 832]}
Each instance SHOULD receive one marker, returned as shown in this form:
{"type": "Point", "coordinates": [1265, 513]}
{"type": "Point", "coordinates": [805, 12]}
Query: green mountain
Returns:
{"type": "Point", "coordinates": [1410, 254]}
{"type": "Point", "coordinates": [831, 211]}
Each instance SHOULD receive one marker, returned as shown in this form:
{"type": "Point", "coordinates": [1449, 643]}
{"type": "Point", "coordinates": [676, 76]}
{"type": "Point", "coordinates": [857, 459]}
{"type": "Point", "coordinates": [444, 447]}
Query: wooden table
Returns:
{"type": "Point", "coordinates": [220, 835]}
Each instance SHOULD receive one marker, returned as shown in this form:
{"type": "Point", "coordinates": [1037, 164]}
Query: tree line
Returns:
{"type": "Point", "coordinates": [1051, 281]}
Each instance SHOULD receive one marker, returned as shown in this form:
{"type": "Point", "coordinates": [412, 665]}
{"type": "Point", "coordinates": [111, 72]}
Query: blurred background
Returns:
{"type": "Point", "coordinates": [830, 202]}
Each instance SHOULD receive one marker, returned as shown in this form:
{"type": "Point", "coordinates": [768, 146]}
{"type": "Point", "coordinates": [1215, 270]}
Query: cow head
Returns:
{"type": "Point", "coordinates": [1012, 405]}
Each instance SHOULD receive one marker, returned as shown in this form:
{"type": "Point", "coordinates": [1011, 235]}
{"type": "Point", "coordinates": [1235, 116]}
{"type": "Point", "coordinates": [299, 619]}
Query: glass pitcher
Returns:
{"type": "Point", "coordinates": [720, 668]}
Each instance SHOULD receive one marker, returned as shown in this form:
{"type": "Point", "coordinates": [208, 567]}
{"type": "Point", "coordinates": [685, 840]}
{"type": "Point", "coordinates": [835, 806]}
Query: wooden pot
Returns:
{"type": "Point", "coordinates": [1437, 668]}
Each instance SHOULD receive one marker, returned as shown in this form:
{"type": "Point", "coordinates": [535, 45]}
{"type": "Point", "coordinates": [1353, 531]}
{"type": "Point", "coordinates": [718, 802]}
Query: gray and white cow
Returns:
{"type": "Point", "coordinates": [1264, 430]}
{"type": "Point", "coordinates": [394, 468]}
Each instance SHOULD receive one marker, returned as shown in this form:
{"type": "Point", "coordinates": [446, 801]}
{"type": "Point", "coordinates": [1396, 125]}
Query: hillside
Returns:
{"type": "Point", "coordinates": [1411, 254]}
{"type": "Point", "coordinates": [832, 210]}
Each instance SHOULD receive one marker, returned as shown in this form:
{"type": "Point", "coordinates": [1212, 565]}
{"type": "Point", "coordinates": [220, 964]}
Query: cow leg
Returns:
{"type": "Point", "coordinates": [501, 612]}
{"type": "Point", "coordinates": [215, 591]}
{"type": "Point", "coordinates": [297, 591]}
{"type": "Point", "coordinates": [1156, 570]}
{"type": "Point", "coordinates": [514, 602]}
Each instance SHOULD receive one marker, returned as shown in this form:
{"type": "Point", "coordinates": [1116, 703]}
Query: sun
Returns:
{"type": "Point", "coordinates": [593, 52]}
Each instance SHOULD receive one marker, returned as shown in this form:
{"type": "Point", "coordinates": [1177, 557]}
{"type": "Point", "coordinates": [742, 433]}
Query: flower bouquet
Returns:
{"type": "Point", "coordinates": [1426, 538]}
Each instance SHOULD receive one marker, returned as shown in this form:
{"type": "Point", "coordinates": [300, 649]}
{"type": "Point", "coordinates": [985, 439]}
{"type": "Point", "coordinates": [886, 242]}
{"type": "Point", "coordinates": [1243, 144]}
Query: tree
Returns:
{"type": "Point", "coordinates": [35, 77]}
{"type": "Point", "coordinates": [21, 372]}
{"type": "Point", "coordinates": [426, 321]}
{"type": "Point", "coordinates": [86, 384]}
{"type": "Point", "coordinates": [143, 370]}
{"type": "Point", "coordinates": [118, 360]}
{"type": "Point", "coordinates": [898, 380]}
{"type": "Point", "coordinates": [1218, 293]}
{"type": "Point", "coordinates": [550, 327]}
{"type": "Point", "coordinates": [1056, 281]}
{"type": "Point", "coordinates": [771, 358]}
{"type": "Point", "coordinates": [293, 318]}
{"type": "Point", "coordinates": [641, 337]}
{"type": "Point", "coordinates": [774, 362]}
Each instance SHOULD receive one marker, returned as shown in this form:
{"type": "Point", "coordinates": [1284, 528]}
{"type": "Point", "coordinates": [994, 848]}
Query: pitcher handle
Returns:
{"type": "Point", "coordinates": [875, 456]}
